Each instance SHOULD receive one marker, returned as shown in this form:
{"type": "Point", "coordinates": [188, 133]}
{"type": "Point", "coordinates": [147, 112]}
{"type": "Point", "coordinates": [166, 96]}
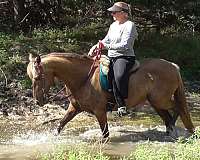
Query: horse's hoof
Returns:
{"type": "Point", "coordinates": [55, 132]}
{"type": "Point", "coordinates": [172, 133]}
{"type": "Point", "coordinates": [192, 130]}
{"type": "Point", "coordinates": [105, 140]}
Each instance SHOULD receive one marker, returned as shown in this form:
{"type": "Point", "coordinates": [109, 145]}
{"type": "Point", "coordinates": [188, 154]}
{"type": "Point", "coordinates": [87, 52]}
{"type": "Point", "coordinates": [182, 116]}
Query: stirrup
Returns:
{"type": "Point", "coordinates": [122, 111]}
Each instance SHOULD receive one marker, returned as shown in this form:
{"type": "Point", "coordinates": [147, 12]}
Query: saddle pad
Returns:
{"type": "Point", "coordinates": [103, 78]}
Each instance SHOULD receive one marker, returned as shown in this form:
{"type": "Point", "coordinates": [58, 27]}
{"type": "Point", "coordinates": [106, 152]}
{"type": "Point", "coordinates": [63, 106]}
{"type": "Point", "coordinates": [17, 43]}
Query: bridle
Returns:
{"type": "Point", "coordinates": [39, 71]}
{"type": "Point", "coordinates": [37, 66]}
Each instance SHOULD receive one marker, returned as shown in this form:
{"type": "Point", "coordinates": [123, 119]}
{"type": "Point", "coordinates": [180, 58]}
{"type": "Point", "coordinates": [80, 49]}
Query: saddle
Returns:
{"type": "Point", "coordinates": [104, 69]}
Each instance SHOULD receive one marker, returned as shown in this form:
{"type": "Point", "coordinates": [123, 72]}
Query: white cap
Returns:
{"type": "Point", "coordinates": [119, 6]}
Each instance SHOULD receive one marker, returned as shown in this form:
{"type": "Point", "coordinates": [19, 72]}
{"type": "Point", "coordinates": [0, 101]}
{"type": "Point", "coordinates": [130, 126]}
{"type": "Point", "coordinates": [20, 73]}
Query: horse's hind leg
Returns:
{"type": "Point", "coordinates": [175, 115]}
{"type": "Point", "coordinates": [168, 120]}
{"type": "Point", "coordinates": [72, 111]}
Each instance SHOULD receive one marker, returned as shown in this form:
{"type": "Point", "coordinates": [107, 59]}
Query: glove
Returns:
{"type": "Point", "coordinates": [91, 52]}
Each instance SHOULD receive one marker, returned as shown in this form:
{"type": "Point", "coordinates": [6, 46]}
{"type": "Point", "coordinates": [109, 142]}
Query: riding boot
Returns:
{"type": "Point", "coordinates": [122, 111]}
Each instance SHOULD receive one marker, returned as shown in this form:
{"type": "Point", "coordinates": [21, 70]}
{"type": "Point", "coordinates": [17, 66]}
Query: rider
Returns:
{"type": "Point", "coordinates": [119, 42]}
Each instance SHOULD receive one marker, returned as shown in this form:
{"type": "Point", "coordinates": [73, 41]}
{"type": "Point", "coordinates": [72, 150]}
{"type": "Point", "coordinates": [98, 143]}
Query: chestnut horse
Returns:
{"type": "Point", "coordinates": [157, 81]}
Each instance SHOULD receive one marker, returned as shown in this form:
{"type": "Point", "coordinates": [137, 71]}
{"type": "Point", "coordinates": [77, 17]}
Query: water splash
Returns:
{"type": "Point", "coordinates": [32, 138]}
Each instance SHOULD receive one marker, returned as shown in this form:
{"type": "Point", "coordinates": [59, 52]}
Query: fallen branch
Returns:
{"type": "Point", "coordinates": [24, 18]}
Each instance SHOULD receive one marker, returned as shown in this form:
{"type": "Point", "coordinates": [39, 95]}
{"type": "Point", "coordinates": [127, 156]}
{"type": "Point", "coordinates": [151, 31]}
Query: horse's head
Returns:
{"type": "Point", "coordinates": [40, 79]}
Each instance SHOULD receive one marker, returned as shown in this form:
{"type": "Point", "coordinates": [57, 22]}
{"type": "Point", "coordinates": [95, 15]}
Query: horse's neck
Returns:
{"type": "Point", "coordinates": [73, 72]}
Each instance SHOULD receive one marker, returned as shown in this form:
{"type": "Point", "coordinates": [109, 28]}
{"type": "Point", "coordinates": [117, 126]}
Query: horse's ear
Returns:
{"type": "Point", "coordinates": [31, 58]}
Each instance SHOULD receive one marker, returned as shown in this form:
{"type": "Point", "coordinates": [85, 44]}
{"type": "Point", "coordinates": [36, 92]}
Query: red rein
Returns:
{"type": "Point", "coordinates": [97, 53]}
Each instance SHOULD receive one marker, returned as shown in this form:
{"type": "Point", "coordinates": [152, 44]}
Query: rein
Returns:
{"type": "Point", "coordinates": [97, 52]}
{"type": "Point", "coordinates": [52, 97]}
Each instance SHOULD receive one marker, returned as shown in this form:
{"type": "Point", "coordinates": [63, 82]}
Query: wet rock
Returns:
{"type": "Point", "coordinates": [29, 93]}
{"type": "Point", "coordinates": [23, 98]}
{"type": "Point", "coordinates": [5, 113]}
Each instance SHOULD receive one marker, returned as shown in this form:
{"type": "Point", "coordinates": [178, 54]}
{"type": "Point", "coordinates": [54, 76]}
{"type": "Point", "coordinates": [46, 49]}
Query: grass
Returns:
{"type": "Point", "coordinates": [78, 152]}
{"type": "Point", "coordinates": [153, 151]}
{"type": "Point", "coordinates": [183, 149]}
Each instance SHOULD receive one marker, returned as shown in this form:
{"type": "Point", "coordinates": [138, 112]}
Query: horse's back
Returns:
{"type": "Point", "coordinates": [158, 69]}
{"type": "Point", "coordinates": [155, 77]}
{"type": "Point", "coordinates": [158, 64]}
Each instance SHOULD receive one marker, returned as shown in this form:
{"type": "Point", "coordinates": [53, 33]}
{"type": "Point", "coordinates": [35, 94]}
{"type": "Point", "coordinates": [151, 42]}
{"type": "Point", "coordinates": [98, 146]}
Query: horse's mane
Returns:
{"type": "Point", "coordinates": [67, 55]}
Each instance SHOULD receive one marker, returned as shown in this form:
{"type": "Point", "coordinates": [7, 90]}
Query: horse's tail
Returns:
{"type": "Point", "coordinates": [181, 104]}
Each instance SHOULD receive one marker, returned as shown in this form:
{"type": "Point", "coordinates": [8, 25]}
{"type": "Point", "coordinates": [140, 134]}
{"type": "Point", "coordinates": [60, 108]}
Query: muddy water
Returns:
{"type": "Point", "coordinates": [26, 138]}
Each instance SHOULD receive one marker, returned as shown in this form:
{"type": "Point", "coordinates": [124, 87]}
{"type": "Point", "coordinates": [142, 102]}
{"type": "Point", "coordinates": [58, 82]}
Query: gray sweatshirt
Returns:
{"type": "Point", "coordinates": [120, 39]}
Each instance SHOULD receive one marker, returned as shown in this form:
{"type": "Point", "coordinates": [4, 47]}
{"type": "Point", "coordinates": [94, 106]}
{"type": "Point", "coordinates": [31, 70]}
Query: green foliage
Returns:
{"type": "Point", "coordinates": [180, 49]}
{"type": "Point", "coordinates": [14, 48]}
{"type": "Point", "coordinates": [5, 42]}
{"type": "Point", "coordinates": [25, 83]}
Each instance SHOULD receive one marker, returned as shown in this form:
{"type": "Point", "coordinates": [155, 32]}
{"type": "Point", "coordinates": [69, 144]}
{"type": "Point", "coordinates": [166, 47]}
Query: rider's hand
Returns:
{"type": "Point", "coordinates": [91, 52]}
{"type": "Point", "coordinates": [100, 44]}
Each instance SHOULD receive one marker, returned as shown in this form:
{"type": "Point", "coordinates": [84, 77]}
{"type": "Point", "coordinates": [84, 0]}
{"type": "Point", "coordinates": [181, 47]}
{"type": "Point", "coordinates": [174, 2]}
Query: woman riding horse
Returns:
{"type": "Point", "coordinates": [157, 81]}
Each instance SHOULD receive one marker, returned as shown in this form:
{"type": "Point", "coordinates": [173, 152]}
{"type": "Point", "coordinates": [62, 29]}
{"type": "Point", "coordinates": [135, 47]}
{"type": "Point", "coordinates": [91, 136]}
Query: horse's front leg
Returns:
{"type": "Point", "coordinates": [72, 111]}
{"type": "Point", "coordinates": [102, 119]}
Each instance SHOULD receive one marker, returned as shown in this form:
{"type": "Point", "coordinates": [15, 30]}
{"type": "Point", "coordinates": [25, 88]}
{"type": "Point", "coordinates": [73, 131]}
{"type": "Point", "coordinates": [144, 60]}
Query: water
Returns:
{"type": "Point", "coordinates": [30, 144]}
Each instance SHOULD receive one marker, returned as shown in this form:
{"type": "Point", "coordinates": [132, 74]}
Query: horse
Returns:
{"type": "Point", "coordinates": [157, 80]}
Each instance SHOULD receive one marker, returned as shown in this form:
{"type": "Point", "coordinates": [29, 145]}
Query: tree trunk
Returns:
{"type": "Point", "coordinates": [19, 12]}
{"type": "Point", "coordinates": [58, 11]}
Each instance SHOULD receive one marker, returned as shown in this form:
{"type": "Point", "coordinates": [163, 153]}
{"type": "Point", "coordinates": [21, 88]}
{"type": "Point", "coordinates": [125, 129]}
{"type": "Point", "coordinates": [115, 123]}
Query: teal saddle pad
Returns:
{"type": "Point", "coordinates": [103, 78]}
